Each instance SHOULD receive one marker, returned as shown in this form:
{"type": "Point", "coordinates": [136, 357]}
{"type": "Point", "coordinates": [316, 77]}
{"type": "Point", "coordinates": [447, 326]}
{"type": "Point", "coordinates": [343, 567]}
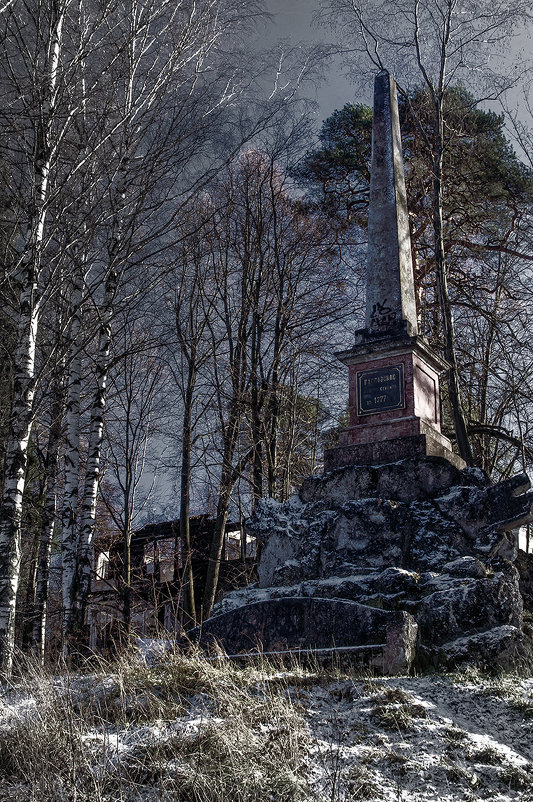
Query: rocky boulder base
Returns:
{"type": "Point", "coordinates": [418, 537]}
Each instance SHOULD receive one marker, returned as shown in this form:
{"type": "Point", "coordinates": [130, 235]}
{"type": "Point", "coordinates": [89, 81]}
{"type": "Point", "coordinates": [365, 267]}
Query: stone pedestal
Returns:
{"type": "Point", "coordinates": [394, 403]}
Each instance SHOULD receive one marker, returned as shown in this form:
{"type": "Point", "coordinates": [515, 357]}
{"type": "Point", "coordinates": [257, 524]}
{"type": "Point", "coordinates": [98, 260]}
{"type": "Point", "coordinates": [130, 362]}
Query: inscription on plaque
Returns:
{"type": "Point", "coordinates": [379, 390]}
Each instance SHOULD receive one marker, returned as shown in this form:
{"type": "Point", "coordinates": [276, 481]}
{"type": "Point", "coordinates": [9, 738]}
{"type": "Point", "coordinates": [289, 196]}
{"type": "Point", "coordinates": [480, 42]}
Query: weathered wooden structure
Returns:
{"type": "Point", "coordinates": [158, 578]}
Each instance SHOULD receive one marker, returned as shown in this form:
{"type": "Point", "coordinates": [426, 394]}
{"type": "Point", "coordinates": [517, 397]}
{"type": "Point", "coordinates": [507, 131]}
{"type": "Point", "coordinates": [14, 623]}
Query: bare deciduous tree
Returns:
{"type": "Point", "coordinates": [113, 116]}
{"type": "Point", "coordinates": [277, 291]}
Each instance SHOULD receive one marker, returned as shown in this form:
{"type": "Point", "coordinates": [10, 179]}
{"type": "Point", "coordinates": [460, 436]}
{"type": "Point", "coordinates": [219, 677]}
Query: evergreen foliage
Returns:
{"type": "Point", "coordinates": [486, 189]}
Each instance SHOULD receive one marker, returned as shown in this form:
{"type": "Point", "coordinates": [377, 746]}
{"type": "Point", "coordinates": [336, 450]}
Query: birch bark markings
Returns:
{"type": "Point", "coordinates": [49, 516]}
{"type": "Point", "coordinates": [75, 615]}
{"type": "Point", "coordinates": [160, 54]}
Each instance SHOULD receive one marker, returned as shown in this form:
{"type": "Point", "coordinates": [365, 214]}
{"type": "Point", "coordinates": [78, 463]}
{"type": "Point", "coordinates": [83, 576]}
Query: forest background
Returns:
{"type": "Point", "coordinates": [182, 253]}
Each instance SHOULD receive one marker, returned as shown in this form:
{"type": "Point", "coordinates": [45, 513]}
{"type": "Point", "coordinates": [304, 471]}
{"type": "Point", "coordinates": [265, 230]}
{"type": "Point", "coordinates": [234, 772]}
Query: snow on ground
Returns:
{"type": "Point", "coordinates": [401, 739]}
{"type": "Point", "coordinates": [425, 738]}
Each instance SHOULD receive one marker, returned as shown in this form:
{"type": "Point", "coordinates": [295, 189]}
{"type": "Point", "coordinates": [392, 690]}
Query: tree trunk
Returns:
{"type": "Point", "coordinates": [126, 590]}
{"type": "Point", "coordinates": [69, 516]}
{"type": "Point", "coordinates": [15, 471]}
{"type": "Point", "coordinates": [92, 472]}
{"type": "Point", "coordinates": [256, 400]}
{"type": "Point", "coordinates": [463, 441]}
{"type": "Point", "coordinates": [224, 497]}
{"type": "Point", "coordinates": [217, 546]}
{"type": "Point", "coordinates": [185, 487]}
{"type": "Point", "coordinates": [24, 363]}
{"type": "Point", "coordinates": [48, 521]}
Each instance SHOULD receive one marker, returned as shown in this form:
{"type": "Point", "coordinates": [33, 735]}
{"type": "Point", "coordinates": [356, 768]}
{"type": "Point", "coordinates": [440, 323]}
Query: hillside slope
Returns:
{"type": "Point", "coordinates": [191, 729]}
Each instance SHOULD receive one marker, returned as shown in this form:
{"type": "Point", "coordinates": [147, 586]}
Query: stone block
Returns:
{"type": "Point", "coordinates": [466, 567]}
{"type": "Point", "coordinates": [294, 623]}
{"type": "Point", "coordinates": [471, 606]}
{"type": "Point", "coordinates": [413, 479]}
{"type": "Point", "coordinates": [418, 536]}
{"type": "Point", "coordinates": [505, 648]}
{"type": "Point", "coordinates": [387, 450]}
{"type": "Point", "coordinates": [524, 566]}
{"type": "Point", "coordinates": [503, 506]}
{"type": "Point", "coordinates": [400, 647]}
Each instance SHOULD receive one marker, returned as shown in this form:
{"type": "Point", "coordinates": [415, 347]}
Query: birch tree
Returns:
{"type": "Point", "coordinates": [48, 521]}
{"type": "Point", "coordinates": [166, 103]}
{"type": "Point", "coordinates": [174, 86]}
{"type": "Point", "coordinates": [36, 114]}
{"type": "Point", "coordinates": [114, 115]}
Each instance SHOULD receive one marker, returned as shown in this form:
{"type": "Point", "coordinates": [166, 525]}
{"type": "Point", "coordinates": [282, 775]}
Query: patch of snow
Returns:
{"type": "Point", "coordinates": [456, 494]}
{"type": "Point", "coordinates": [152, 649]}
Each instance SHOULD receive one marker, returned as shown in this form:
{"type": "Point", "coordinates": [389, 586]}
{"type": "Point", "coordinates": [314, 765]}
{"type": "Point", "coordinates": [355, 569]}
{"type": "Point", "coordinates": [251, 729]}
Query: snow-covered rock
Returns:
{"type": "Point", "coordinates": [418, 536]}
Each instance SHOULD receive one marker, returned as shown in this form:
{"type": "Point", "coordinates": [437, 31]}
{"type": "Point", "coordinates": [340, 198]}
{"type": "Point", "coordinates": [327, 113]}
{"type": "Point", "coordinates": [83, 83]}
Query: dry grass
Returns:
{"type": "Point", "coordinates": [394, 709]}
{"type": "Point", "coordinates": [361, 784]}
{"type": "Point", "coordinates": [187, 729]}
{"type": "Point", "coordinates": [516, 778]}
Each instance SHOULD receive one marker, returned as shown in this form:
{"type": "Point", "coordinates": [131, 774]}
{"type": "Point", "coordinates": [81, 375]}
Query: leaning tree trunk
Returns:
{"type": "Point", "coordinates": [217, 546]}
{"type": "Point", "coordinates": [227, 481]}
{"type": "Point", "coordinates": [463, 441]}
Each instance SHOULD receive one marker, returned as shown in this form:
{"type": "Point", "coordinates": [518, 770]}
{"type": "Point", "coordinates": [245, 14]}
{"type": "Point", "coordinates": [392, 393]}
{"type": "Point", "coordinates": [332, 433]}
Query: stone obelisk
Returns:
{"type": "Point", "coordinates": [394, 393]}
{"type": "Point", "coordinates": [390, 289]}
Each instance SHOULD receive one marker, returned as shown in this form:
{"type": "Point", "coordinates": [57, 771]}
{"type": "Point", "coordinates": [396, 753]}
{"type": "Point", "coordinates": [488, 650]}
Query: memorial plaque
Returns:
{"type": "Point", "coordinates": [379, 390]}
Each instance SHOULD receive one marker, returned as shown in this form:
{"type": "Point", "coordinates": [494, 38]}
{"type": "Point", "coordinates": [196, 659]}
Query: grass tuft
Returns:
{"type": "Point", "coordinates": [487, 756]}
{"type": "Point", "coordinates": [515, 778]}
{"type": "Point", "coordinates": [361, 784]}
{"type": "Point", "coordinates": [395, 709]}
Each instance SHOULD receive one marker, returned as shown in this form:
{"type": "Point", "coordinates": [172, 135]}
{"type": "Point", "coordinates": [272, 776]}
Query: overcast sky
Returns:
{"type": "Point", "coordinates": [293, 19]}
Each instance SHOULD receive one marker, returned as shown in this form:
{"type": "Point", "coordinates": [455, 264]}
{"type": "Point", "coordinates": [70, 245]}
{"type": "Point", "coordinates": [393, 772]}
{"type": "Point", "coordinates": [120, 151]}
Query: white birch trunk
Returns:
{"type": "Point", "coordinates": [92, 473]}
{"type": "Point", "coordinates": [24, 363]}
{"type": "Point", "coordinates": [49, 518]}
{"type": "Point", "coordinates": [82, 581]}
{"type": "Point", "coordinates": [14, 476]}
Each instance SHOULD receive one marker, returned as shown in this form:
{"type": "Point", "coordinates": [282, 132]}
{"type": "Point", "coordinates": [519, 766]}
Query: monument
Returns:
{"type": "Point", "coordinates": [398, 555]}
{"type": "Point", "coordinates": [394, 393]}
